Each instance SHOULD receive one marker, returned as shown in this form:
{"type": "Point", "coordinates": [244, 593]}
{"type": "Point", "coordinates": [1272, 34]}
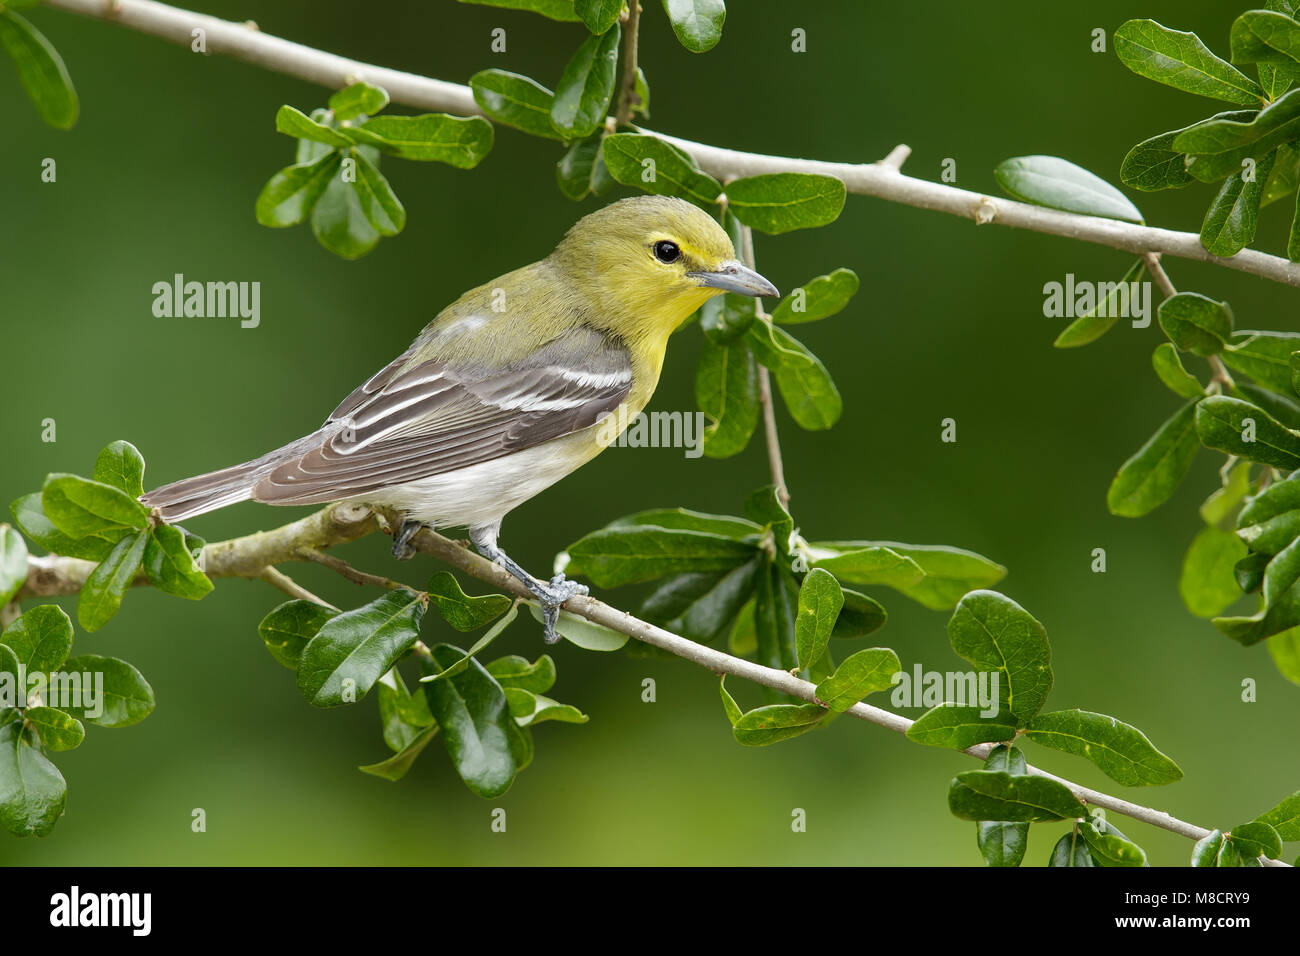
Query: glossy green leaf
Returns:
{"type": "Point", "coordinates": [1246, 431]}
{"type": "Point", "coordinates": [402, 715]}
{"type": "Point", "coordinates": [1217, 148]}
{"type": "Point", "coordinates": [655, 166]}
{"type": "Point", "coordinates": [583, 94]}
{"type": "Point", "coordinates": [586, 634]}
{"type": "Point", "coordinates": [1264, 356]}
{"type": "Point", "coordinates": [1121, 751]}
{"type": "Point", "coordinates": [1003, 843]}
{"type": "Point", "coordinates": [627, 554]}
{"type": "Point", "coordinates": [1182, 61]}
{"type": "Point", "coordinates": [1284, 410]}
{"type": "Point", "coordinates": [515, 671]}
{"type": "Point", "coordinates": [58, 730]}
{"type": "Point", "coordinates": [1284, 818]}
{"type": "Point", "coordinates": [340, 223]}
{"type": "Point", "coordinates": [1155, 470]}
{"type": "Point", "coordinates": [1208, 850]}
{"type": "Point", "coordinates": [697, 23]}
{"type": "Point", "coordinates": [478, 731]}
{"type": "Point", "coordinates": [776, 599]}
{"type": "Point", "coordinates": [516, 101]}
{"type": "Point", "coordinates": [779, 202]}
{"type": "Point", "coordinates": [1280, 604]}
{"type": "Point", "coordinates": [292, 193]}
{"type": "Point", "coordinates": [101, 595]}
{"type": "Point", "coordinates": [958, 727]}
{"type": "Point", "coordinates": [997, 795]}
{"type": "Point", "coordinates": [1060, 184]}
{"type": "Point", "coordinates": [529, 709]}
{"type": "Point", "coordinates": [461, 611]}
{"type": "Point", "coordinates": [399, 764]}
{"type": "Point", "coordinates": [861, 673]}
{"type": "Point", "coordinates": [29, 515]}
{"type": "Point", "coordinates": [1250, 571]}
{"type": "Point", "coordinates": [1169, 368]}
{"type": "Point", "coordinates": [1196, 323]}
{"type": "Point", "coordinates": [946, 572]}
{"type": "Point", "coordinates": [379, 204]}
{"type": "Point", "coordinates": [1265, 36]}
{"type": "Point", "coordinates": [289, 628]}
{"type": "Point", "coordinates": [354, 649]}
{"type": "Point", "coordinates": [1098, 320]}
{"type": "Point", "coordinates": [860, 616]}
{"type": "Point", "coordinates": [1071, 850]}
{"type": "Point", "coordinates": [1207, 583]}
{"type": "Point", "coordinates": [1256, 838]}
{"type": "Point", "coordinates": [726, 390]}
{"type": "Point", "coordinates": [820, 600]}
{"type": "Point", "coordinates": [818, 298]}
{"type": "Point", "coordinates": [13, 563]}
{"type": "Point", "coordinates": [701, 606]}
{"type": "Point", "coordinates": [641, 87]}
{"type": "Point", "coordinates": [805, 384]}
{"type": "Point", "coordinates": [127, 696]}
{"type": "Point", "coordinates": [40, 70]}
{"type": "Point", "coordinates": [993, 632]}
{"type": "Point", "coordinates": [32, 791]}
{"type": "Point", "coordinates": [89, 509]}
{"type": "Point", "coordinates": [1229, 224]}
{"type": "Point", "coordinates": [1154, 164]}
{"type": "Point", "coordinates": [459, 141]}
{"type": "Point", "coordinates": [121, 465]}
{"type": "Point", "coordinates": [725, 318]}
{"type": "Point", "coordinates": [171, 562]}
{"type": "Point", "coordinates": [683, 519]}
{"type": "Point", "coordinates": [868, 564]}
{"type": "Point", "coordinates": [40, 638]}
{"type": "Point", "coordinates": [1284, 648]}
{"type": "Point", "coordinates": [1223, 502]}
{"type": "Point", "coordinates": [357, 99]}
{"type": "Point", "coordinates": [598, 15]}
{"type": "Point", "coordinates": [765, 508]}
{"type": "Point", "coordinates": [773, 723]}
{"type": "Point", "coordinates": [581, 171]}
{"type": "Point", "coordinates": [299, 125]}
{"type": "Point", "coordinates": [490, 635]}
{"type": "Point", "coordinates": [1108, 849]}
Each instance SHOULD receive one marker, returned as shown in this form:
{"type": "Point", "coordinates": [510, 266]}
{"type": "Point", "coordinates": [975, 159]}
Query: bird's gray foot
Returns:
{"type": "Point", "coordinates": [402, 549]}
{"type": "Point", "coordinates": [550, 596]}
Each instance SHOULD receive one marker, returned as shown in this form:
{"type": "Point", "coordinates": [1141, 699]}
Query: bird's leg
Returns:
{"type": "Point", "coordinates": [551, 596]}
{"type": "Point", "coordinates": [402, 549]}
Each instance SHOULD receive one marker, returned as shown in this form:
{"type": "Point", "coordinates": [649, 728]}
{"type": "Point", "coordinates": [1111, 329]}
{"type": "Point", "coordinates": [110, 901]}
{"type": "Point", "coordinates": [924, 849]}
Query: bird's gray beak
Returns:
{"type": "Point", "coordinates": [737, 278]}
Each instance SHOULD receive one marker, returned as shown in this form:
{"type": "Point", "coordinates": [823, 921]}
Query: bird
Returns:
{"type": "Point", "coordinates": [506, 391]}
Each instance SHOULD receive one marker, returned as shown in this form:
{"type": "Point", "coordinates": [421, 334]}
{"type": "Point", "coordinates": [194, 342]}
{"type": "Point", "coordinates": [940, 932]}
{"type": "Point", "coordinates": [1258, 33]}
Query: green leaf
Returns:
{"type": "Point", "coordinates": [1284, 818]}
{"type": "Point", "coordinates": [340, 221]}
{"type": "Point", "coordinates": [13, 563]}
{"type": "Point", "coordinates": [553, 9]}
{"type": "Point", "coordinates": [478, 731]}
{"type": "Point", "coordinates": [1071, 850]}
{"type": "Point", "coordinates": [1250, 571]}
{"type": "Point", "coordinates": [860, 616]}
{"type": "Point", "coordinates": [1155, 470]}
{"type": "Point", "coordinates": [459, 141]}
{"type": "Point", "coordinates": [516, 101]}
{"type": "Point", "coordinates": [171, 563]}
{"type": "Point", "coordinates": [488, 637]}
{"type": "Point", "coordinates": [89, 509]}
{"type": "Point", "coordinates": [586, 634]}
{"type": "Point", "coordinates": [1196, 323]}
{"type": "Point", "coordinates": [1229, 224]}
{"type": "Point", "coordinates": [1284, 648]}
{"type": "Point", "coordinates": [515, 671]}
{"type": "Point", "coordinates": [1264, 356]}
{"type": "Point", "coordinates": [1154, 164]}
{"type": "Point", "coordinates": [40, 70]}
{"type": "Point", "coordinates": [805, 384]}
{"type": "Point", "coordinates": [1182, 61]}
{"type": "Point", "coordinates": [121, 465]}
{"type": "Point", "coordinates": [1003, 843]}
{"type": "Point", "coordinates": [701, 606]}
{"type": "Point", "coordinates": [1121, 751]}
{"type": "Point", "coordinates": [57, 730]}
{"type": "Point", "coordinates": [1169, 367]}
{"type": "Point", "coordinates": [1223, 501]}
{"type": "Point", "coordinates": [1224, 423]}
{"type": "Point", "coordinates": [997, 795]}
{"type": "Point", "coordinates": [299, 125]}
{"type": "Point", "coordinates": [1060, 184]}
{"type": "Point", "coordinates": [529, 709]}
{"type": "Point", "coordinates": [655, 166]}
{"type": "Point", "coordinates": [292, 193]}
{"type": "Point", "coordinates": [396, 767]}
{"type": "Point", "coordinates": [1255, 839]}
{"type": "Point", "coordinates": [29, 515]}
{"type": "Point", "coordinates": [1217, 148]}
{"type": "Point", "coordinates": [773, 723]}
{"type": "Point", "coordinates": [697, 23]}
{"type": "Point", "coordinates": [1265, 36]}
{"type": "Point", "coordinates": [958, 727]}
{"type": "Point", "coordinates": [779, 202]}
{"type": "Point", "coordinates": [1207, 583]}
{"type": "Point", "coordinates": [127, 697]}
{"type": "Point", "coordinates": [581, 171]}
{"type": "Point", "coordinates": [993, 632]}
{"type": "Point", "coordinates": [1280, 608]}
{"type": "Point", "coordinates": [379, 204]}
{"type": "Point", "coordinates": [868, 564]}
{"type": "Point", "coordinates": [585, 89]}
{"type": "Point", "coordinates": [726, 390]}
{"type": "Point", "coordinates": [642, 89]}
{"type": "Point", "coordinates": [818, 298]}
{"type": "Point", "coordinates": [40, 638]}
{"type": "Point", "coordinates": [629, 554]}
{"type": "Point", "coordinates": [946, 573]}
{"type": "Point", "coordinates": [404, 716]}
{"type": "Point", "coordinates": [729, 705]}
{"type": "Point", "coordinates": [725, 318]}
{"type": "Point", "coordinates": [32, 791]}
{"type": "Point", "coordinates": [683, 519]}
{"type": "Point", "coordinates": [861, 673]}
{"type": "Point", "coordinates": [776, 599]}
{"type": "Point", "coordinates": [598, 15]}
{"type": "Point", "coordinates": [357, 99]}
{"type": "Point", "coordinates": [289, 628]}
{"type": "Point", "coordinates": [1098, 320]}
{"type": "Point", "coordinates": [765, 508]}
{"type": "Point", "coordinates": [354, 649]}
{"type": "Point", "coordinates": [460, 610]}
{"type": "Point", "coordinates": [101, 595]}
{"type": "Point", "coordinates": [820, 600]}
{"type": "Point", "coordinates": [1209, 849]}
{"type": "Point", "coordinates": [1108, 849]}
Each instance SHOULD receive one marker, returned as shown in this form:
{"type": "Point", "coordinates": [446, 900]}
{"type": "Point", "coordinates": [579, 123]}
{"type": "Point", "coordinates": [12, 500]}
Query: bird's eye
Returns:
{"type": "Point", "coordinates": [666, 251]}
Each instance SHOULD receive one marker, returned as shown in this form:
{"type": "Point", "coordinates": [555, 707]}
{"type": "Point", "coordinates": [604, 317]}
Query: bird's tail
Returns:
{"type": "Point", "coordinates": [204, 493]}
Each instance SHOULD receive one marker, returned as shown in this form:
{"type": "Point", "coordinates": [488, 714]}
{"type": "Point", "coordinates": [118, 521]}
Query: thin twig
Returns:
{"type": "Point", "coordinates": [341, 567]}
{"type": "Point", "coordinates": [627, 96]}
{"type": "Point", "coordinates": [881, 180]}
{"type": "Point", "coordinates": [775, 463]}
{"type": "Point", "coordinates": [1218, 371]}
{"type": "Point", "coordinates": [278, 579]}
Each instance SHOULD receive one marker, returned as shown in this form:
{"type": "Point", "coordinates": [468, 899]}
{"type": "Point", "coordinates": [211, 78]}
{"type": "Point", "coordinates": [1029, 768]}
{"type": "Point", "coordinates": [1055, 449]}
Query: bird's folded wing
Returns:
{"type": "Point", "coordinates": [411, 422]}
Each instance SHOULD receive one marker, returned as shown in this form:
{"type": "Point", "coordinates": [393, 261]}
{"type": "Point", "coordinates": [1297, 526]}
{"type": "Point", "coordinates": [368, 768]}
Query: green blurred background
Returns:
{"type": "Point", "coordinates": [159, 177]}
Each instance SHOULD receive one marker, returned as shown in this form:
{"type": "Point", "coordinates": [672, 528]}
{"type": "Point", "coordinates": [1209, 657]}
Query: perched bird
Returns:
{"type": "Point", "coordinates": [503, 394]}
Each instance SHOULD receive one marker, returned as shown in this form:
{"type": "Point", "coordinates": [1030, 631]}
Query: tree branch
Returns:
{"type": "Point", "coordinates": [627, 96]}
{"type": "Point", "coordinates": [882, 180]}
{"type": "Point", "coordinates": [772, 438]}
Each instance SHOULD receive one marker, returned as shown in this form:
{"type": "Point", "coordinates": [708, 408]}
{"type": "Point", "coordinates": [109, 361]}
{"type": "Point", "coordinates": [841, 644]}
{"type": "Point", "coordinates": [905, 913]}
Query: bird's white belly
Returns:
{"type": "Point", "coordinates": [484, 493]}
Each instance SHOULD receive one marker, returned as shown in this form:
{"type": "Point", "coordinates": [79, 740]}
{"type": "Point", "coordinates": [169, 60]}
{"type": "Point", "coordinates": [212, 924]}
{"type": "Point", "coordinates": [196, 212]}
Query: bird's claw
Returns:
{"type": "Point", "coordinates": [403, 550]}
{"type": "Point", "coordinates": [551, 597]}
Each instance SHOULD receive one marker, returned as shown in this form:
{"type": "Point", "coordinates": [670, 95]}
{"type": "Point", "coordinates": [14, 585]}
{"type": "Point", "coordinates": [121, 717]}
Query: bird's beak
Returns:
{"type": "Point", "coordinates": [731, 276]}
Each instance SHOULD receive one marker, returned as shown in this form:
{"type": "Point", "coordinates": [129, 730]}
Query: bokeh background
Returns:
{"type": "Point", "coordinates": [159, 177]}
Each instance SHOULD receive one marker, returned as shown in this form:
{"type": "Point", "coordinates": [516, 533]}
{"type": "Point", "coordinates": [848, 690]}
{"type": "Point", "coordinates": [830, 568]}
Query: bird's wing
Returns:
{"type": "Point", "coordinates": [414, 422]}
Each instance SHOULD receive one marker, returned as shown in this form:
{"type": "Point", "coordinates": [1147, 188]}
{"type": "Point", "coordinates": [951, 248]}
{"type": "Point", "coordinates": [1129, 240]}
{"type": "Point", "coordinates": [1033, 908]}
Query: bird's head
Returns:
{"type": "Point", "coordinates": [648, 262]}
